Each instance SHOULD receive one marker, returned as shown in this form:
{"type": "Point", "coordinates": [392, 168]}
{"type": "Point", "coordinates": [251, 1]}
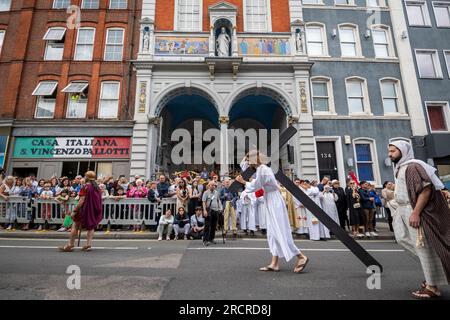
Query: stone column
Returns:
{"type": "Point", "coordinates": [224, 168]}
{"type": "Point", "coordinates": [234, 43]}
{"type": "Point", "coordinates": [212, 42]}
{"type": "Point", "coordinates": [153, 132]}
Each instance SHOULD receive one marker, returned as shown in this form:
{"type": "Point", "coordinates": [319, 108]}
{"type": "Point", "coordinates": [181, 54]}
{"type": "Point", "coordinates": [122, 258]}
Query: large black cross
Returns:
{"type": "Point", "coordinates": [309, 204]}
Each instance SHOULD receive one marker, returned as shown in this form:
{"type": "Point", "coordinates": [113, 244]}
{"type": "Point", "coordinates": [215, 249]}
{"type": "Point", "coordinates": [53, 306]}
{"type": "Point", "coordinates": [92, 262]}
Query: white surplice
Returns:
{"type": "Point", "coordinates": [316, 229]}
{"type": "Point", "coordinates": [248, 218]}
{"type": "Point", "coordinates": [301, 215]}
{"type": "Point", "coordinates": [279, 234]}
{"type": "Point", "coordinates": [329, 205]}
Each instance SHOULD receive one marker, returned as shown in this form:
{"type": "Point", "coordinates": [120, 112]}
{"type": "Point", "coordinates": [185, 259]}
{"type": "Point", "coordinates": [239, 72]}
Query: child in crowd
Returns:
{"type": "Point", "coordinates": [63, 200]}
{"type": "Point", "coordinates": [46, 194]}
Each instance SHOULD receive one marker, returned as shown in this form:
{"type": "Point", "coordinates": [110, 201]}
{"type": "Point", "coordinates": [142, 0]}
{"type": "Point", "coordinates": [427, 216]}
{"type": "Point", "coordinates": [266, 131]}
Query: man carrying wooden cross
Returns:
{"type": "Point", "coordinates": [279, 234]}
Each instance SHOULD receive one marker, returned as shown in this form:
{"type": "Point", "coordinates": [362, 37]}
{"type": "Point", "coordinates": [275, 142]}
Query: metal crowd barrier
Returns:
{"type": "Point", "coordinates": [128, 211]}
{"type": "Point", "coordinates": [16, 208]}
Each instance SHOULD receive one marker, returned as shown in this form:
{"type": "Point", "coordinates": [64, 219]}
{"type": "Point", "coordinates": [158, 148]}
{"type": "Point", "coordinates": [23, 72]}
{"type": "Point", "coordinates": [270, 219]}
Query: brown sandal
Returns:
{"type": "Point", "coordinates": [424, 294]}
{"type": "Point", "coordinates": [86, 248]}
{"type": "Point", "coordinates": [300, 267]}
{"type": "Point", "coordinates": [66, 248]}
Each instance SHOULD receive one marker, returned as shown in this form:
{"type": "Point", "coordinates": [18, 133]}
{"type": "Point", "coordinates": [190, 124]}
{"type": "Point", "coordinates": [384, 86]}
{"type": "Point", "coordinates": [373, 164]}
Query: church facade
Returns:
{"type": "Point", "coordinates": [329, 68]}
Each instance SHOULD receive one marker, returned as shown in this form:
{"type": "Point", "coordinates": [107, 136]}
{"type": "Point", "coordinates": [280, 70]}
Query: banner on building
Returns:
{"type": "Point", "coordinates": [3, 144]}
{"type": "Point", "coordinates": [72, 147]}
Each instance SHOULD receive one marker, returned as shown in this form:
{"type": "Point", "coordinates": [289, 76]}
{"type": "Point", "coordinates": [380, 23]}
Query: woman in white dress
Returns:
{"type": "Point", "coordinates": [279, 234]}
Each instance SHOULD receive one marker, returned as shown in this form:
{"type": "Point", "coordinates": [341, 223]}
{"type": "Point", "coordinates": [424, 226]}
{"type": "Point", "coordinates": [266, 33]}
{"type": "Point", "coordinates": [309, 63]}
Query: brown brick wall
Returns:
{"type": "Point", "coordinates": [165, 9]}
{"type": "Point", "coordinates": [22, 65]}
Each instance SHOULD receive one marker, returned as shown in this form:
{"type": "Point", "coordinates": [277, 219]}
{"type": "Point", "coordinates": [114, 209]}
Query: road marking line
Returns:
{"type": "Point", "coordinates": [323, 250]}
{"type": "Point", "coordinates": [49, 247]}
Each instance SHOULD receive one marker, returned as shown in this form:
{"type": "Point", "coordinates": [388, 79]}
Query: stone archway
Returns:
{"type": "Point", "coordinates": [183, 108]}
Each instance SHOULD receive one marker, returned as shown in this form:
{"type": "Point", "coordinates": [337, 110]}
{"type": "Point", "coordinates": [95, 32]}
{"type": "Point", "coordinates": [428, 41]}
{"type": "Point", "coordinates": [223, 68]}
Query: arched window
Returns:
{"type": "Point", "coordinates": [322, 94]}
{"type": "Point", "coordinates": [90, 4]}
{"type": "Point", "coordinates": [46, 99]}
{"type": "Point", "coordinates": [392, 97]}
{"type": "Point", "coordinates": [366, 160]}
{"type": "Point", "coordinates": [2, 39]}
{"type": "Point", "coordinates": [382, 41]}
{"type": "Point", "coordinates": [84, 49]}
{"type": "Point", "coordinates": [316, 39]}
{"type": "Point", "coordinates": [114, 44]}
{"type": "Point", "coordinates": [109, 100]}
{"type": "Point", "coordinates": [349, 39]}
{"type": "Point", "coordinates": [357, 96]}
{"type": "Point", "coordinates": [54, 48]}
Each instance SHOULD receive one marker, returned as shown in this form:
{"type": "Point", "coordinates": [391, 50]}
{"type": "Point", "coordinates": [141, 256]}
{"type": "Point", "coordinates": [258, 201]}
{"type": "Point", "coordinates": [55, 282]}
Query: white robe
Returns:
{"type": "Point", "coordinates": [261, 212]}
{"type": "Point", "coordinates": [329, 205]}
{"type": "Point", "coordinates": [300, 212]}
{"type": "Point", "coordinates": [316, 229]}
{"type": "Point", "coordinates": [279, 234]}
{"type": "Point", "coordinates": [248, 218]}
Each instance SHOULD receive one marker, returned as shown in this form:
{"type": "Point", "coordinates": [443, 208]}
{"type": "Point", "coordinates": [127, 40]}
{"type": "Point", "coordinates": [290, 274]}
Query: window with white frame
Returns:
{"type": "Point", "coordinates": [118, 4]}
{"type": "Point", "coordinates": [322, 93]}
{"type": "Point", "coordinates": [373, 3]}
{"type": "Point", "coordinates": [344, 2]}
{"type": "Point", "coordinates": [438, 116]}
{"type": "Point", "coordinates": [2, 39]}
{"type": "Point", "coordinates": [114, 44]}
{"type": "Point", "coordinates": [90, 4]}
{"type": "Point", "coordinates": [109, 100]}
{"type": "Point", "coordinates": [46, 99]}
{"type": "Point", "coordinates": [77, 93]}
{"type": "Point", "coordinates": [312, 1]}
{"type": "Point", "coordinates": [5, 5]}
{"type": "Point", "coordinates": [84, 49]}
{"type": "Point", "coordinates": [446, 55]}
{"type": "Point", "coordinates": [381, 42]}
{"type": "Point", "coordinates": [257, 15]}
{"type": "Point", "coordinates": [442, 13]}
{"type": "Point", "coordinates": [428, 64]}
{"type": "Point", "coordinates": [61, 4]}
{"type": "Point", "coordinates": [366, 162]}
{"type": "Point", "coordinates": [356, 95]}
{"type": "Point", "coordinates": [54, 48]}
{"type": "Point", "coordinates": [188, 15]}
{"type": "Point", "coordinates": [390, 95]}
{"type": "Point", "coordinates": [349, 38]}
{"type": "Point", "coordinates": [316, 40]}
{"type": "Point", "coordinates": [417, 12]}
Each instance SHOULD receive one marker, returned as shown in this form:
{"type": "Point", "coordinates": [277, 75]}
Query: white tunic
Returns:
{"type": "Point", "coordinates": [248, 219]}
{"type": "Point", "coordinates": [261, 212]}
{"type": "Point", "coordinates": [301, 215]}
{"type": "Point", "coordinates": [329, 205]}
{"type": "Point", "coordinates": [316, 229]}
{"type": "Point", "coordinates": [279, 234]}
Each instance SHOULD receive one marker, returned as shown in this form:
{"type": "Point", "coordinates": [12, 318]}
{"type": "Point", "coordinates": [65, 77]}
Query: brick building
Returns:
{"type": "Point", "coordinates": [65, 92]}
{"type": "Point", "coordinates": [330, 68]}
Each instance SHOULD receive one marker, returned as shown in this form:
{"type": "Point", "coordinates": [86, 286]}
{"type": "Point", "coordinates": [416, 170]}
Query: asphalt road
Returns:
{"type": "Point", "coordinates": [148, 269]}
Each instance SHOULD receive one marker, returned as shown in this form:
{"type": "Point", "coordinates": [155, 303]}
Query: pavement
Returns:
{"type": "Point", "coordinates": [382, 227]}
{"type": "Point", "coordinates": [163, 270]}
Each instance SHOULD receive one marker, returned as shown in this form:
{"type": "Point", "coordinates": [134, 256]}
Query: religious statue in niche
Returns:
{"type": "Point", "coordinates": [298, 41]}
{"type": "Point", "coordinates": [223, 43]}
{"type": "Point", "coordinates": [146, 45]}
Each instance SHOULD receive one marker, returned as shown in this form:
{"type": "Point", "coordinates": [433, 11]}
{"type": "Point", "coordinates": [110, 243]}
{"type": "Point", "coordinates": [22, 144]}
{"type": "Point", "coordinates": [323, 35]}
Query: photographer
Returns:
{"type": "Point", "coordinates": [212, 208]}
{"type": "Point", "coordinates": [197, 224]}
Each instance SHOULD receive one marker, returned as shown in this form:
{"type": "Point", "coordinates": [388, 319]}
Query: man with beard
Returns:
{"type": "Point", "coordinates": [422, 218]}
